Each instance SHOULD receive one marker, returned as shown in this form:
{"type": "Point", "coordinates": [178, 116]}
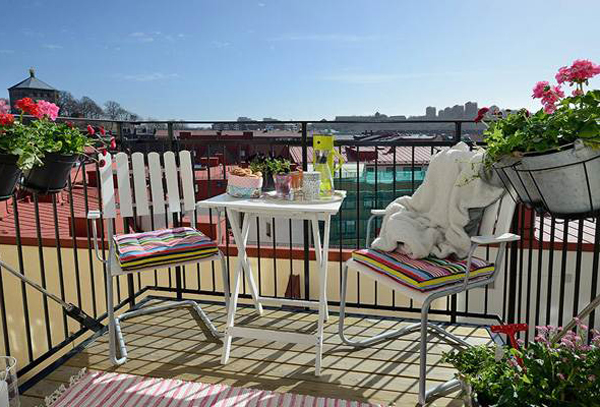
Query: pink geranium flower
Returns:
{"type": "Point", "coordinates": [539, 89]}
{"type": "Point", "coordinates": [579, 72]}
{"type": "Point", "coordinates": [47, 109]}
{"type": "Point", "coordinates": [4, 107]}
{"type": "Point", "coordinates": [549, 95]}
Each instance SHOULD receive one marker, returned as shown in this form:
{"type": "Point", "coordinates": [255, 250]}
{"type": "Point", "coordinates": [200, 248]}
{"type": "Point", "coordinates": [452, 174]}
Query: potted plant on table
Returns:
{"type": "Point", "coordinates": [543, 374]}
{"type": "Point", "coordinates": [551, 158]}
{"type": "Point", "coordinates": [281, 169]}
{"type": "Point", "coordinates": [275, 170]}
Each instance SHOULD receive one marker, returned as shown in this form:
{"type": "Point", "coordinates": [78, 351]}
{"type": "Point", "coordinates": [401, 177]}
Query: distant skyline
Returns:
{"type": "Point", "coordinates": [218, 60]}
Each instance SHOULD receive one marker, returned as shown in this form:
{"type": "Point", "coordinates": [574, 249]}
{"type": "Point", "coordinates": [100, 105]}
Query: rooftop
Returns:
{"type": "Point", "coordinates": [32, 83]}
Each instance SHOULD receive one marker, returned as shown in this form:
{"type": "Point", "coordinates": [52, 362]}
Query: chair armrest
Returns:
{"type": "Point", "coordinates": [375, 213]}
{"type": "Point", "coordinates": [503, 238]}
{"type": "Point", "coordinates": [94, 215]}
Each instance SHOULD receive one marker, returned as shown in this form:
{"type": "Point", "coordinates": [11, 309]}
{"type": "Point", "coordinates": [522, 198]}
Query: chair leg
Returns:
{"type": "Point", "coordinates": [114, 330]}
{"type": "Point", "coordinates": [369, 341]}
{"type": "Point", "coordinates": [423, 354]}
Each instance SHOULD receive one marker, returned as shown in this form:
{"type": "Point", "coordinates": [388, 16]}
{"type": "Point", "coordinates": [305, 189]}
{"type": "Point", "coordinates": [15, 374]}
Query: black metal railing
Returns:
{"type": "Point", "coordinates": [547, 277]}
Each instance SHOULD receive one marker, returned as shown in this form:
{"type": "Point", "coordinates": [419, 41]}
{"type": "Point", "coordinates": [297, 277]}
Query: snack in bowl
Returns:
{"type": "Point", "coordinates": [244, 183]}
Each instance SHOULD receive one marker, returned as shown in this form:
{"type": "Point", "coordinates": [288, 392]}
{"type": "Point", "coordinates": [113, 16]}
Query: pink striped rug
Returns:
{"type": "Point", "coordinates": [102, 389]}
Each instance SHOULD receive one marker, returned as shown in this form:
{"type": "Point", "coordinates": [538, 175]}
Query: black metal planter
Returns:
{"type": "Point", "coordinates": [52, 176]}
{"type": "Point", "coordinates": [9, 175]}
{"type": "Point", "coordinates": [564, 183]}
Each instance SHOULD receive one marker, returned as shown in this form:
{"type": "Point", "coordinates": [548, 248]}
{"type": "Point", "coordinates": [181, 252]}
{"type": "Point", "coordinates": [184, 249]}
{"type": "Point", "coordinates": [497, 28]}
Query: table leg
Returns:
{"type": "Point", "coordinates": [321, 257]}
{"type": "Point", "coordinates": [240, 242]}
{"type": "Point", "coordinates": [240, 235]}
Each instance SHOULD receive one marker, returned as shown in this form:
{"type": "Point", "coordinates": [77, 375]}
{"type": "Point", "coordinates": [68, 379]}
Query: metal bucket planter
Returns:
{"type": "Point", "coordinates": [565, 182]}
{"type": "Point", "coordinates": [9, 175]}
{"type": "Point", "coordinates": [52, 176]}
{"type": "Point", "coordinates": [518, 184]}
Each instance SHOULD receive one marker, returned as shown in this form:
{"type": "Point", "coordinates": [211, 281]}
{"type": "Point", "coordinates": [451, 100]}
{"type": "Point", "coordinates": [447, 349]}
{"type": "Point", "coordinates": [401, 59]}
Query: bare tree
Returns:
{"type": "Point", "coordinates": [69, 106]}
{"type": "Point", "coordinates": [90, 109]}
{"type": "Point", "coordinates": [112, 110]}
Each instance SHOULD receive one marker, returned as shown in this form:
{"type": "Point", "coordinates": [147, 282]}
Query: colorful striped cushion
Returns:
{"type": "Point", "coordinates": [421, 274]}
{"type": "Point", "coordinates": [162, 247]}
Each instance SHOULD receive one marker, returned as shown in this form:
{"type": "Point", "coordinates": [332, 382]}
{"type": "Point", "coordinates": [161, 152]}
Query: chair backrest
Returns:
{"type": "Point", "coordinates": [147, 197]}
{"type": "Point", "coordinates": [498, 216]}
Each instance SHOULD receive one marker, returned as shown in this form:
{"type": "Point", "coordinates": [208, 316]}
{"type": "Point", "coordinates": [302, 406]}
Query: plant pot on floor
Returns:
{"type": "Point", "coordinates": [9, 175]}
{"type": "Point", "coordinates": [565, 182]}
{"type": "Point", "coordinates": [52, 176]}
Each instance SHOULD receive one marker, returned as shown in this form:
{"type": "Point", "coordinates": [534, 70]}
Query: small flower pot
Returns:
{"type": "Point", "coordinates": [9, 175]}
{"type": "Point", "coordinates": [52, 176]}
{"type": "Point", "coordinates": [268, 182]}
{"type": "Point", "coordinates": [283, 185]}
{"type": "Point", "coordinates": [244, 187]}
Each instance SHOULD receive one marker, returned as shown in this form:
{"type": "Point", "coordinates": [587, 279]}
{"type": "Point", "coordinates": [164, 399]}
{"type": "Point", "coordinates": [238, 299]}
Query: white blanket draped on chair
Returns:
{"type": "Point", "coordinates": [432, 221]}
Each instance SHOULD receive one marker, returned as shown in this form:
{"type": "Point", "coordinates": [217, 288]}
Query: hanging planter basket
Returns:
{"type": "Point", "coordinates": [564, 183]}
{"type": "Point", "coordinates": [9, 175]}
{"type": "Point", "coordinates": [52, 176]}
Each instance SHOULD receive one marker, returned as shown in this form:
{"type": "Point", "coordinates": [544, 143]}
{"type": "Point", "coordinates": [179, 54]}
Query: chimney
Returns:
{"type": "Point", "coordinates": [32, 72]}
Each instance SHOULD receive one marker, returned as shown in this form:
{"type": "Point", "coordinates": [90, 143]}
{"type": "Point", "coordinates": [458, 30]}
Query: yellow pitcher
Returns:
{"type": "Point", "coordinates": [324, 161]}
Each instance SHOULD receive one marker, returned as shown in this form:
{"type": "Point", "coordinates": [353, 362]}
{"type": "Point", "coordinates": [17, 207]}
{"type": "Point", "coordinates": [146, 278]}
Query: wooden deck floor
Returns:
{"type": "Point", "coordinates": [173, 344]}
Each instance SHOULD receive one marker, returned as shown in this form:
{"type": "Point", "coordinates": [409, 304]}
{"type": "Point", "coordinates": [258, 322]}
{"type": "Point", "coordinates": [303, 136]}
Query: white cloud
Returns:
{"type": "Point", "coordinates": [146, 37]}
{"type": "Point", "coordinates": [261, 4]}
{"type": "Point", "coordinates": [52, 47]}
{"type": "Point", "coordinates": [361, 78]}
{"type": "Point", "coordinates": [332, 37]}
{"type": "Point", "coordinates": [220, 44]}
{"type": "Point", "coordinates": [142, 37]}
{"type": "Point", "coordinates": [147, 77]}
{"type": "Point", "coordinates": [7, 51]}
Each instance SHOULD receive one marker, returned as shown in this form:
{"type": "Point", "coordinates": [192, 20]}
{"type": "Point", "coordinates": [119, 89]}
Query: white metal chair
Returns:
{"type": "Point", "coordinates": [494, 229]}
{"type": "Point", "coordinates": [136, 203]}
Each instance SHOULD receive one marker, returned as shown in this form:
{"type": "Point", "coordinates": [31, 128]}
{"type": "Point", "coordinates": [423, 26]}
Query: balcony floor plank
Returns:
{"type": "Point", "coordinates": [172, 344]}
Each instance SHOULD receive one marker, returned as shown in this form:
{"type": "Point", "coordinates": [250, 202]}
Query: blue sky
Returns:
{"type": "Point", "coordinates": [288, 59]}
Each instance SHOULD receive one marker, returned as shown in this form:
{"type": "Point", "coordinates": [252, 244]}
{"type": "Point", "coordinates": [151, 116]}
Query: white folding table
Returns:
{"type": "Point", "coordinates": [241, 213]}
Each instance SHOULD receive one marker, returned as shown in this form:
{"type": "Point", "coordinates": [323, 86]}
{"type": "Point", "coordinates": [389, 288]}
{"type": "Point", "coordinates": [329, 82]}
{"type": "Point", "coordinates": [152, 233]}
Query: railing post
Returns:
{"type": "Point", "coordinates": [171, 136]}
{"type": "Point", "coordinates": [457, 131]}
{"type": "Point", "coordinates": [120, 135]}
{"type": "Point", "coordinates": [305, 223]}
{"type": "Point", "coordinates": [512, 275]}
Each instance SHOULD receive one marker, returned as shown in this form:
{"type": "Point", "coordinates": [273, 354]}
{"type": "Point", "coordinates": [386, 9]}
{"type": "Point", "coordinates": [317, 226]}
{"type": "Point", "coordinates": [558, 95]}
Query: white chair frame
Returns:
{"type": "Point", "coordinates": [136, 204]}
{"type": "Point", "coordinates": [494, 229]}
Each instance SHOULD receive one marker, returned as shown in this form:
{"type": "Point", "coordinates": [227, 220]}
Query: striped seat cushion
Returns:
{"type": "Point", "coordinates": [421, 274]}
{"type": "Point", "coordinates": [162, 247]}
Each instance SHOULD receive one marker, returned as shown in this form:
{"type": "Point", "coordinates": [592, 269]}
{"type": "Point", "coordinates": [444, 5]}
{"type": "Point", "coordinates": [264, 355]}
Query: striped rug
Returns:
{"type": "Point", "coordinates": [101, 389]}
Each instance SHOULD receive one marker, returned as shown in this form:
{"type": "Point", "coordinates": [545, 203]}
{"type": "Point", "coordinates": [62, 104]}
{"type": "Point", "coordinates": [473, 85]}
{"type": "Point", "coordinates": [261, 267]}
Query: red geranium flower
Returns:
{"type": "Point", "coordinates": [113, 144]}
{"type": "Point", "coordinates": [6, 119]}
{"type": "Point", "coordinates": [28, 106]}
{"type": "Point", "coordinates": [481, 113]}
{"type": "Point", "coordinates": [91, 130]}
{"type": "Point", "coordinates": [101, 130]}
